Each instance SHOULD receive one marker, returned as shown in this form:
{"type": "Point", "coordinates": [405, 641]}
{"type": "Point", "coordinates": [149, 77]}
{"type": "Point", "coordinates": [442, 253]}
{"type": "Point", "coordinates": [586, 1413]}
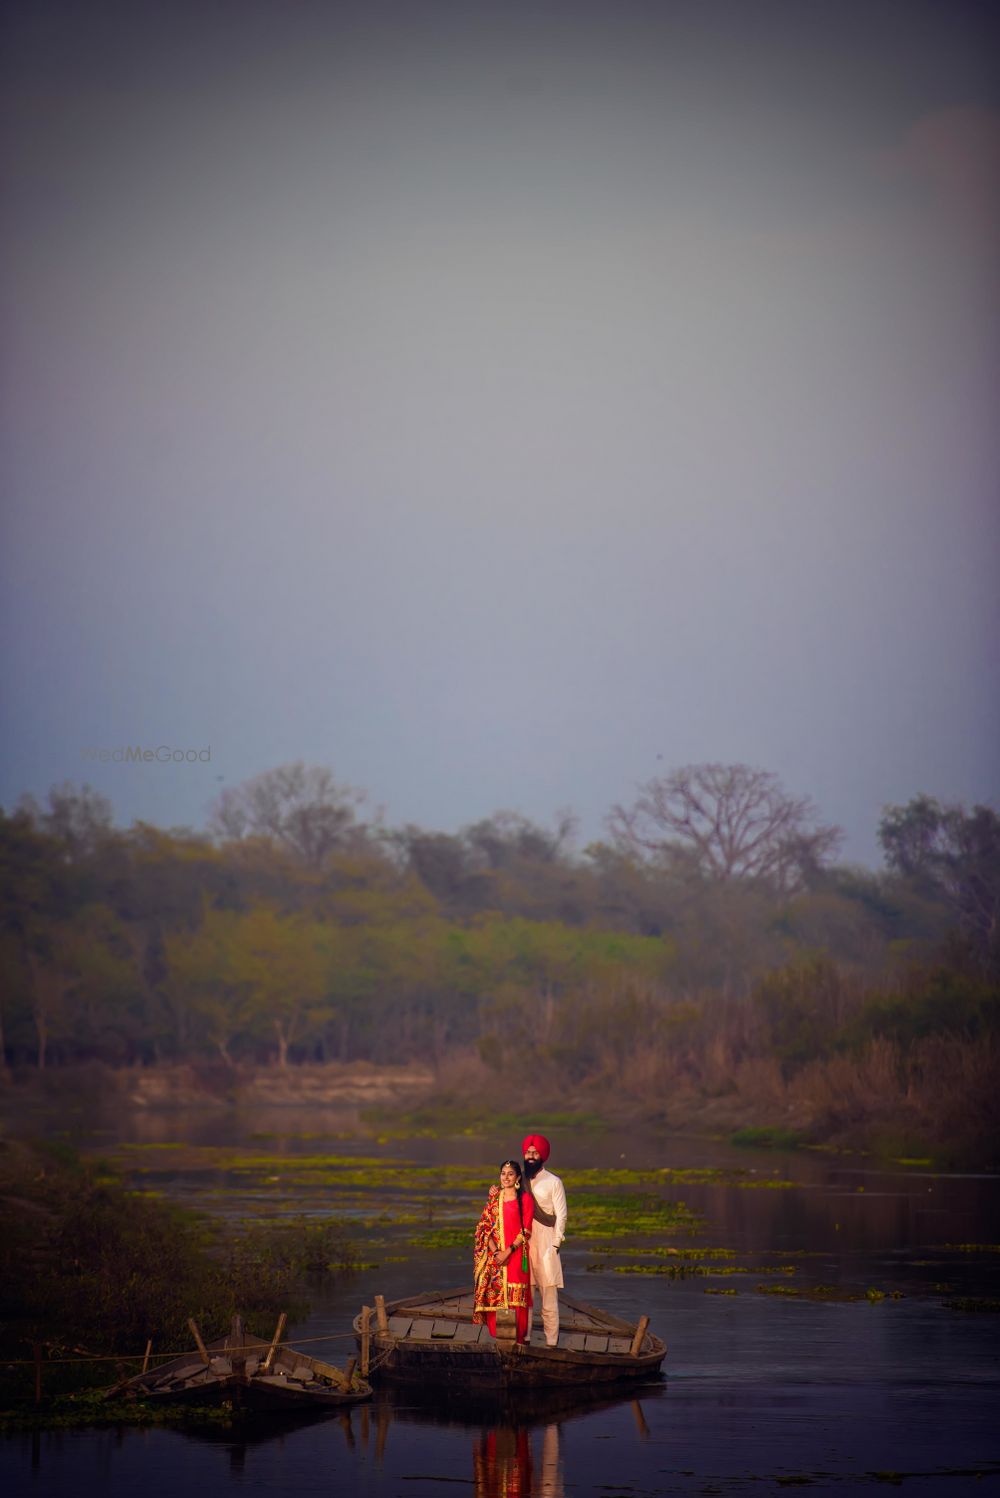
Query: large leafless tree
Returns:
{"type": "Point", "coordinates": [729, 822]}
{"type": "Point", "coordinates": [301, 808]}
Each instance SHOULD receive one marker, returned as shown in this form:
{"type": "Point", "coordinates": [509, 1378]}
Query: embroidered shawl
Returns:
{"type": "Point", "coordinates": [493, 1291]}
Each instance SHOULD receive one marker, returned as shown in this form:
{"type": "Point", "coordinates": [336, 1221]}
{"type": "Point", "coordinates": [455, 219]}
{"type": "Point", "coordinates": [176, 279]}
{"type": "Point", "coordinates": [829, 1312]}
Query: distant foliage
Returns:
{"type": "Point", "coordinates": [710, 944]}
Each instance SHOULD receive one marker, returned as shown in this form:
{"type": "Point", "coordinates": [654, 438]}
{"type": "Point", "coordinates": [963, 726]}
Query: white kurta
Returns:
{"type": "Point", "coordinates": [546, 1265]}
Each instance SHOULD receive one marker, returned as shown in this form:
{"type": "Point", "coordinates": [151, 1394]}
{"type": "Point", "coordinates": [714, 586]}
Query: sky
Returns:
{"type": "Point", "coordinates": [501, 404]}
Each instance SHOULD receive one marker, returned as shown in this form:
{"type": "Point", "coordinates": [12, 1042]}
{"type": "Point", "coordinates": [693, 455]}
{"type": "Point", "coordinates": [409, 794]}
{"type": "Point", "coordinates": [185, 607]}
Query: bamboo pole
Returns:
{"type": "Point", "coordinates": [640, 1333]}
{"type": "Point", "coordinates": [145, 1356]}
{"type": "Point", "coordinates": [366, 1332]}
{"type": "Point", "coordinates": [352, 1363]}
{"type": "Point", "coordinates": [202, 1350]}
{"type": "Point", "coordinates": [380, 1314]}
{"type": "Point", "coordinates": [278, 1331]}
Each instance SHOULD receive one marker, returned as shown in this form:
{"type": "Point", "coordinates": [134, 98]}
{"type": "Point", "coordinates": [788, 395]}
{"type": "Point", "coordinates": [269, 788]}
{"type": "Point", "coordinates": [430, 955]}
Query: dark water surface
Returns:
{"type": "Point", "coordinates": [869, 1382]}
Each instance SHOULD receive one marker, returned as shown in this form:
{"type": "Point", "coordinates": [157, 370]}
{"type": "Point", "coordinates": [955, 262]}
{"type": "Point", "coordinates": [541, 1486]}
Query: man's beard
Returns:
{"type": "Point", "coordinates": [532, 1167]}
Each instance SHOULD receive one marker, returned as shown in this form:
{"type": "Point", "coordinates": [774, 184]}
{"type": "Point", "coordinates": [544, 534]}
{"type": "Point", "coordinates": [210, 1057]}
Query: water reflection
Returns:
{"type": "Point", "coordinates": [514, 1443]}
{"type": "Point", "coordinates": [504, 1465]}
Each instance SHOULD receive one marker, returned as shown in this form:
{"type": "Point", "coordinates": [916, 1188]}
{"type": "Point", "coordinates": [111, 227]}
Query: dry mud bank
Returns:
{"type": "Point", "coordinates": [352, 1087]}
{"type": "Point", "coordinates": [463, 1094]}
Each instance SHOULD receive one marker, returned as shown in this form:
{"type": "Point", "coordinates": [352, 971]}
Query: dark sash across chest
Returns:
{"type": "Point", "coordinates": [547, 1219]}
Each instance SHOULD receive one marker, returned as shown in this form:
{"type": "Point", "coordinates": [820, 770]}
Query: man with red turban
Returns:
{"type": "Point", "coordinates": [548, 1231]}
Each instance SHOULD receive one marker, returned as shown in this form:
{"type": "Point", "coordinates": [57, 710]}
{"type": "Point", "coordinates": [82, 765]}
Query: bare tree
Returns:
{"type": "Point", "coordinates": [78, 816]}
{"type": "Point", "coordinates": [727, 822]}
{"type": "Point", "coordinates": [300, 808]}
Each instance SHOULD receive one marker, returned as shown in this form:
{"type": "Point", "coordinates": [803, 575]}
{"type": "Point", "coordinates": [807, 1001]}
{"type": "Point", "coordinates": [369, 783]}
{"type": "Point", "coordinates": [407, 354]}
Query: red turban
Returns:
{"type": "Point", "coordinates": [541, 1145]}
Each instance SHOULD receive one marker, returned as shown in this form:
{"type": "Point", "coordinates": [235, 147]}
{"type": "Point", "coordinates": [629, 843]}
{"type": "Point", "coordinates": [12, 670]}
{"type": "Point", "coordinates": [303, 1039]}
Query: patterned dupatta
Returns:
{"type": "Point", "coordinates": [494, 1290]}
{"type": "Point", "coordinates": [489, 1280]}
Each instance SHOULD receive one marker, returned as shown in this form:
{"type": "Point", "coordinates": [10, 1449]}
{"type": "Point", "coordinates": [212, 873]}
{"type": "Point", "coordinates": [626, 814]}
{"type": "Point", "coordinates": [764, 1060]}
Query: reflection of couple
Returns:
{"type": "Point", "coordinates": [503, 1465]}
{"type": "Point", "coordinates": [517, 1244]}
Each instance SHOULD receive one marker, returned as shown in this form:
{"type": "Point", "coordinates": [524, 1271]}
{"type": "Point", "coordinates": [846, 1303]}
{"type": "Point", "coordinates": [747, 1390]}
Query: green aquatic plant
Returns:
{"type": "Point", "coordinates": [92, 1407]}
{"type": "Point", "coordinates": [684, 1270]}
{"type": "Point", "coordinates": [979, 1304]}
{"type": "Point", "coordinates": [612, 1215]}
{"type": "Point", "coordinates": [464, 1120]}
{"type": "Point", "coordinates": [668, 1175]}
{"type": "Point", "coordinates": [668, 1251]}
{"type": "Point", "coordinates": [767, 1138]}
{"type": "Point", "coordinates": [453, 1237]}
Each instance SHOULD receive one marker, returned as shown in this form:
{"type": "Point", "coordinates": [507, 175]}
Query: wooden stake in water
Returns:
{"type": "Point", "coordinates": [640, 1334]}
{"type": "Point", "coordinates": [278, 1333]}
{"type": "Point", "coordinates": [202, 1350]}
{"type": "Point", "coordinates": [366, 1334]}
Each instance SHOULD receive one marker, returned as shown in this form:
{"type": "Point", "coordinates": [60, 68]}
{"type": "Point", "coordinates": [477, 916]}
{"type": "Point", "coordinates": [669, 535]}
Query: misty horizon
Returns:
{"type": "Point", "coordinates": [502, 406]}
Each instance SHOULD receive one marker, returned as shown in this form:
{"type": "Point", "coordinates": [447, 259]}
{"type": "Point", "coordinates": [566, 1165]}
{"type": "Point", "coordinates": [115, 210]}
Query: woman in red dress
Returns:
{"type": "Point", "coordinates": [502, 1263]}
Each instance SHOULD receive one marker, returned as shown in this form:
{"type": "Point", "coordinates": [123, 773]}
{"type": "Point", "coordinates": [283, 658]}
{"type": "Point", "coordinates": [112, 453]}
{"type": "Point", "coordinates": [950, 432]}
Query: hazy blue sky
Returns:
{"type": "Point", "coordinates": [485, 400]}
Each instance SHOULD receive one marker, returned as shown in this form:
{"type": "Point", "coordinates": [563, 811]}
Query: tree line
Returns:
{"type": "Point", "coordinates": [299, 927]}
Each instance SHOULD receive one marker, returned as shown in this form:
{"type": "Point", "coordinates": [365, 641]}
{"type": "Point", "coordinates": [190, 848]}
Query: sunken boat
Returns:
{"type": "Point", "coordinates": [432, 1337]}
{"type": "Point", "coordinates": [248, 1373]}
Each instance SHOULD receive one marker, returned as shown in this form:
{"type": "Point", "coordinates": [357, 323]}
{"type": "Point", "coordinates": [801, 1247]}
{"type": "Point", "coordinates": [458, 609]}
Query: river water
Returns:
{"type": "Point", "coordinates": [822, 1342]}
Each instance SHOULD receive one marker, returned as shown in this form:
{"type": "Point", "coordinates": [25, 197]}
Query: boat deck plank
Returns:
{"type": "Point", "coordinates": [444, 1328]}
{"type": "Point", "coordinates": [595, 1344]}
{"type": "Point", "coordinates": [400, 1325]}
{"type": "Point", "coordinates": [421, 1331]}
{"type": "Point", "coordinates": [465, 1331]}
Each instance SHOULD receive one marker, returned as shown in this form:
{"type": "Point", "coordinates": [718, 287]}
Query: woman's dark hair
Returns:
{"type": "Point", "coordinates": [520, 1186]}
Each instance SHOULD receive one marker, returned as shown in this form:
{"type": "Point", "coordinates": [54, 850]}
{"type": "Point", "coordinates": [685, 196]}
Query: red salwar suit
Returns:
{"type": "Point", "coordinates": [502, 1286]}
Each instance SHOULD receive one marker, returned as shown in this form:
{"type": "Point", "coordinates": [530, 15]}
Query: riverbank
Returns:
{"type": "Point", "coordinates": [91, 1270]}
{"type": "Point", "coordinates": [942, 1107]}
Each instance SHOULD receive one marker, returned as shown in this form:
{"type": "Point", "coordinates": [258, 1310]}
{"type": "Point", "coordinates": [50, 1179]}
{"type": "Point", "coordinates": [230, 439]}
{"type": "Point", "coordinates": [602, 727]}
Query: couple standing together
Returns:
{"type": "Point", "coordinates": [517, 1244]}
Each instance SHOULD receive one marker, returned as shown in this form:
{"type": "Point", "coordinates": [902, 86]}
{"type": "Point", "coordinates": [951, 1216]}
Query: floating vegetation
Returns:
{"type": "Point", "coordinates": [669, 1271]}
{"type": "Point", "coordinates": [679, 1271]}
{"type": "Point", "coordinates": [669, 1251]}
{"type": "Point", "coordinates": [324, 1134]}
{"type": "Point", "coordinates": [978, 1304]}
{"type": "Point", "coordinates": [451, 1120]}
{"type": "Point", "coordinates": [91, 1407]}
{"type": "Point", "coordinates": [716, 1290]}
{"type": "Point", "coordinates": [616, 1216]}
{"type": "Point", "coordinates": [767, 1138]}
{"type": "Point", "coordinates": [667, 1175]}
{"type": "Point", "coordinates": [776, 1290]}
{"type": "Point", "coordinates": [972, 1248]}
{"type": "Point", "coordinates": [451, 1237]}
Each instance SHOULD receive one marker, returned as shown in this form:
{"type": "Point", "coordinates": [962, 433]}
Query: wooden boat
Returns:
{"type": "Point", "coordinates": [432, 1337]}
{"type": "Point", "coordinates": [249, 1373]}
